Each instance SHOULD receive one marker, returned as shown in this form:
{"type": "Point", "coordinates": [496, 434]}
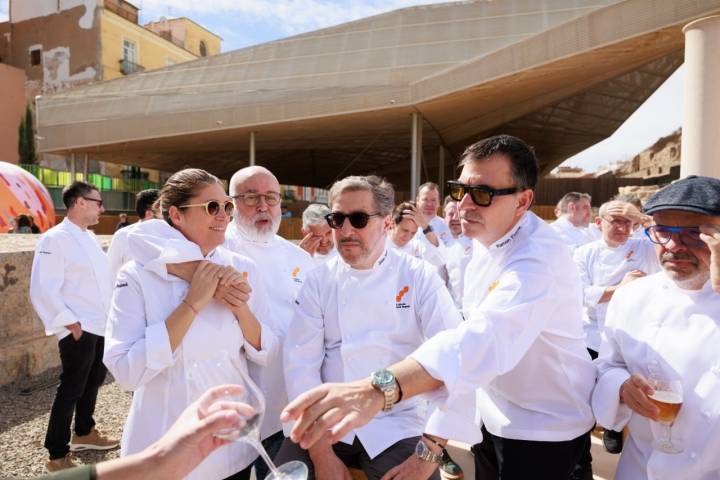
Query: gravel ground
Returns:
{"type": "Point", "coordinates": [24, 419]}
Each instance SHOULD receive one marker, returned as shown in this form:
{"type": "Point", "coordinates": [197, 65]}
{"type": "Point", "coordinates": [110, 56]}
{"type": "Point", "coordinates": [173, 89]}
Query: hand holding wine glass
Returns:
{"type": "Point", "coordinates": [668, 398]}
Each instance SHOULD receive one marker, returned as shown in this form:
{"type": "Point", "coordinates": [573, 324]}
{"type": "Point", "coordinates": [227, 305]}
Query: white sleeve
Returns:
{"type": "Point", "coordinates": [436, 310]}
{"type": "Point", "coordinates": [495, 337]}
{"type": "Point", "coordinates": [46, 281]}
{"type": "Point", "coordinates": [260, 307]}
{"type": "Point", "coordinates": [304, 347]}
{"type": "Point", "coordinates": [591, 293]}
{"type": "Point", "coordinates": [135, 352]}
{"type": "Point", "coordinates": [117, 250]}
{"type": "Point", "coordinates": [612, 373]}
{"type": "Point", "coordinates": [155, 244]}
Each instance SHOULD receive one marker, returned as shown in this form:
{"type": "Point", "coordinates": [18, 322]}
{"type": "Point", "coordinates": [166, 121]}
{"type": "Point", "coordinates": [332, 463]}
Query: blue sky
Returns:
{"type": "Point", "coordinates": [243, 23]}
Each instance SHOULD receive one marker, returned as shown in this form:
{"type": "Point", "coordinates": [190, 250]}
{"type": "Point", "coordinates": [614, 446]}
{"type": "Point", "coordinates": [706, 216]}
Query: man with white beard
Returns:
{"type": "Point", "coordinates": [282, 266]}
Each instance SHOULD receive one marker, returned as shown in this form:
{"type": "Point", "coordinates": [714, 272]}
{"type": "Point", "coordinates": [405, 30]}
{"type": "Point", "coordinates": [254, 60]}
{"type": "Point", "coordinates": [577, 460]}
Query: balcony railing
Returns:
{"type": "Point", "coordinates": [127, 67]}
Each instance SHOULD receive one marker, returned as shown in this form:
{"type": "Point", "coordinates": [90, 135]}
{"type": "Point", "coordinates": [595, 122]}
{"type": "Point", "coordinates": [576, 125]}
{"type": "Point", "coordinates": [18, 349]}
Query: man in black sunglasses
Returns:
{"type": "Point", "coordinates": [363, 310]}
{"type": "Point", "coordinates": [521, 344]}
{"type": "Point", "coordinates": [661, 337]}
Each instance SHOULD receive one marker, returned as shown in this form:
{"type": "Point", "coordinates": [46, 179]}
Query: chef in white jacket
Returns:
{"type": "Point", "coordinates": [359, 313]}
{"type": "Point", "coordinates": [667, 327]}
{"type": "Point", "coordinates": [458, 252]}
{"type": "Point", "coordinates": [428, 201]}
{"type": "Point", "coordinates": [119, 250]}
{"type": "Point", "coordinates": [282, 269]}
{"type": "Point", "coordinates": [70, 288]}
{"type": "Point", "coordinates": [572, 225]}
{"type": "Point", "coordinates": [317, 235]}
{"type": "Point", "coordinates": [160, 329]}
{"type": "Point", "coordinates": [407, 221]}
{"type": "Point", "coordinates": [522, 343]}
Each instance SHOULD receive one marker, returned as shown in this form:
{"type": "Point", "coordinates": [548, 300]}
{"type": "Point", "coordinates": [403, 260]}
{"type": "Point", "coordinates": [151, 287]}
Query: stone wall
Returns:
{"type": "Point", "coordinates": [24, 348]}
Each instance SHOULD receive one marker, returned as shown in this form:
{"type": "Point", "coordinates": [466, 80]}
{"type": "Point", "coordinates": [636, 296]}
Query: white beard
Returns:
{"type": "Point", "coordinates": [250, 231]}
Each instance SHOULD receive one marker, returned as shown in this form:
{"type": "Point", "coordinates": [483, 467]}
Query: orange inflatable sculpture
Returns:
{"type": "Point", "coordinates": [22, 193]}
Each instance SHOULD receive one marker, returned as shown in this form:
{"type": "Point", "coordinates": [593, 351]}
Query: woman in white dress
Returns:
{"type": "Point", "coordinates": [161, 325]}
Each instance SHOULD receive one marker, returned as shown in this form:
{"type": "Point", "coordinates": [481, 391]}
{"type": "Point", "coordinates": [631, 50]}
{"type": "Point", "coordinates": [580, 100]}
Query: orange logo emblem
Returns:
{"type": "Point", "coordinates": [401, 294]}
{"type": "Point", "coordinates": [493, 285]}
{"type": "Point", "coordinates": [295, 272]}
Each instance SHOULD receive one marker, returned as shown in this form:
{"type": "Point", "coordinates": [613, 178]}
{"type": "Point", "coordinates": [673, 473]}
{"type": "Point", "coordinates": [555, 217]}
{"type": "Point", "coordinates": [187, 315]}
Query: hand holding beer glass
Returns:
{"type": "Point", "coordinates": [668, 397]}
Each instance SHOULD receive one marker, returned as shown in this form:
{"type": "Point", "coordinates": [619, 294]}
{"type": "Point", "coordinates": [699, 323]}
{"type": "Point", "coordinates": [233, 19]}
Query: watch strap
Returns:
{"type": "Point", "coordinates": [427, 229]}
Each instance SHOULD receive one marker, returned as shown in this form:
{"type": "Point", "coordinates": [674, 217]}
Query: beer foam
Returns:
{"type": "Point", "coordinates": [666, 397]}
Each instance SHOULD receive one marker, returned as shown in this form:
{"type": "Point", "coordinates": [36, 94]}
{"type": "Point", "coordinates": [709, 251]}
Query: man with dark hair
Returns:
{"type": "Point", "coordinates": [119, 252]}
{"type": "Point", "coordinates": [70, 288]}
{"type": "Point", "coordinates": [122, 221]}
{"type": "Point", "coordinates": [572, 224]}
{"type": "Point", "coordinates": [521, 346]}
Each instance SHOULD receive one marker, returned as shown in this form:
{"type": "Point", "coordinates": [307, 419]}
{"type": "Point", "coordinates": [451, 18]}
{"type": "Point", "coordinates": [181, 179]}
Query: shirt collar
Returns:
{"type": "Point", "coordinates": [506, 240]}
{"type": "Point", "coordinates": [378, 266]}
{"type": "Point", "coordinates": [74, 229]}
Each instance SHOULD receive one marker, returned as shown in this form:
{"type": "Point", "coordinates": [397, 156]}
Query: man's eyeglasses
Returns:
{"type": "Point", "coordinates": [99, 202]}
{"type": "Point", "coordinates": [688, 236]}
{"type": "Point", "coordinates": [252, 199]}
{"type": "Point", "coordinates": [481, 195]}
{"type": "Point", "coordinates": [212, 207]}
{"type": "Point", "coordinates": [357, 219]}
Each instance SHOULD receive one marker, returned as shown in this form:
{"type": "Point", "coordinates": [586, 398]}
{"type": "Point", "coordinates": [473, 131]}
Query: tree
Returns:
{"type": "Point", "coordinates": [26, 138]}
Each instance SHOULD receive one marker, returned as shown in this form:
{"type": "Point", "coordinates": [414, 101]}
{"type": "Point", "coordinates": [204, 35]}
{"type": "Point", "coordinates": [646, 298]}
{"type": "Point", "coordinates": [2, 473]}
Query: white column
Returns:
{"type": "Point", "coordinates": [252, 148]}
{"type": "Point", "coordinates": [441, 172]}
{"type": "Point", "coordinates": [701, 116]}
{"type": "Point", "coordinates": [416, 150]}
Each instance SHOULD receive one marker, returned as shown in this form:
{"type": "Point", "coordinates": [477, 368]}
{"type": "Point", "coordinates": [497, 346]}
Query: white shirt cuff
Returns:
{"type": "Point", "coordinates": [609, 411]}
{"type": "Point", "coordinates": [268, 346]}
{"type": "Point", "coordinates": [157, 347]}
{"type": "Point", "coordinates": [66, 317]}
{"type": "Point", "coordinates": [455, 424]}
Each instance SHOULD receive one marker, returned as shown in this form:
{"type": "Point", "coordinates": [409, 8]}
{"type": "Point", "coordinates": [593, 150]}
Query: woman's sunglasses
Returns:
{"type": "Point", "coordinates": [481, 195]}
{"type": "Point", "coordinates": [212, 207]}
{"type": "Point", "coordinates": [357, 219]}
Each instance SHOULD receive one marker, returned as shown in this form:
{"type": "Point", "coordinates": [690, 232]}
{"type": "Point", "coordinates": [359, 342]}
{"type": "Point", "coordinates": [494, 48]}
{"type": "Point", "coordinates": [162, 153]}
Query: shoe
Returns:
{"type": "Point", "coordinates": [613, 441]}
{"type": "Point", "coordinates": [92, 441]}
{"type": "Point", "coordinates": [68, 461]}
{"type": "Point", "coordinates": [449, 469]}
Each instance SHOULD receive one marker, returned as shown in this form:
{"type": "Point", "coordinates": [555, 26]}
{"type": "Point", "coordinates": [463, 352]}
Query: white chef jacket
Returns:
{"type": "Point", "coordinates": [422, 249]}
{"type": "Point", "coordinates": [441, 229]}
{"type": "Point", "coordinates": [571, 235]}
{"type": "Point", "coordinates": [652, 324]}
{"type": "Point", "coordinates": [119, 252]}
{"type": "Point", "coordinates": [320, 259]}
{"type": "Point", "coordinates": [601, 266]}
{"type": "Point", "coordinates": [351, 322]}
{"type": "Point", "coordinates": [522, 341]}
{"type": "Point", "coordinates": [137, 343]}
{"type": "Point", "coordinates": [458, 253]}
{"type": "Point", "coordinates": [70, 280]}
{"type": "Point", "coordinates": [282, 266]}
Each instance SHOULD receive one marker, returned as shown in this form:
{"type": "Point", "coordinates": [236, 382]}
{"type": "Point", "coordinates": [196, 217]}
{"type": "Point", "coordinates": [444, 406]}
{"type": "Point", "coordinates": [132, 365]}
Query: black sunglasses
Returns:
{"type": "Point", "coordinates": [481, 195]}
{"type": "Point", "coordinates": [357, 219]}
{"type": "Point", "coordinates": [99, 202]}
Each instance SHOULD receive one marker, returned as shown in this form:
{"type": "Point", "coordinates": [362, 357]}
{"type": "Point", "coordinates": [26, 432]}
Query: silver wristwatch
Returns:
{"type": "Point", "coordinates": [384, 381]}
{"type": "Point", "coordinates": [426, 455]}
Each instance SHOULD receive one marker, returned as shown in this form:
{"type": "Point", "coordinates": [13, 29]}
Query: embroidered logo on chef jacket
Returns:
{"type": "Point", "coordinates": [398, 298]}
{"type": "Point", "coordinates": [493, 285]}
{"type": "Point", "coordinates": [629, 255]}
{"type": "Point", "coordinates": [294, 275]}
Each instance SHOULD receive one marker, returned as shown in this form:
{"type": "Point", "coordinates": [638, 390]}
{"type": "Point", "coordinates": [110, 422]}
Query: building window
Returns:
{"type": "Point", "coordinates": [129, 51]}
{"type": "Point", "coordinates": [203, 49]}
{"type": "Point", "coordinates": [35, 57]}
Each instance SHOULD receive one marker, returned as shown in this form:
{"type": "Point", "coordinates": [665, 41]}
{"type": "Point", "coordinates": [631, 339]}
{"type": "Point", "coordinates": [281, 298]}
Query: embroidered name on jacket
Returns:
{"type": "Point", "coordinates": [398, 298]}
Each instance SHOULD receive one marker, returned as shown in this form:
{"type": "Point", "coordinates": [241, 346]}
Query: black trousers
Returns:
{"type": "Point", "coordinates": [355, 456]}
{"type": "Point", "coordinates": [82, 374]}
{"type": "Point", "coordinates": [507, 459]}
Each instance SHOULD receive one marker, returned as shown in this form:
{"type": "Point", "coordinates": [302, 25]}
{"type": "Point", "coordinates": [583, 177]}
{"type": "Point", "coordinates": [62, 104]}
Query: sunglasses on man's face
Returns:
{"type": "Point", "coordinates": [481, 195]}
{"type": "Point", "coordinates": [357, 219]}
{"type": "Point", "coordinates": [212, 207]}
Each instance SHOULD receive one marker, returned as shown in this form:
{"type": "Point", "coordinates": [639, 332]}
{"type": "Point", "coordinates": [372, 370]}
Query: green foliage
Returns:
{"type": "Point", "coordinates": [26, 138]}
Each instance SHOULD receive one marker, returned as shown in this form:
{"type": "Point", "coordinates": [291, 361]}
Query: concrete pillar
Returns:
{"type": "Point", "coordinates": [701, 116]}
{"type": "Point", "coordinates": [85, 169]}
{"type": "Point", "coordinates": [72, 166]}
{"type": "Point", "coordinates": [441, 172]}
{"type": "Point", "coordinates": [252, 148]}
{"type": "Point", "coordinates": [416, 154]}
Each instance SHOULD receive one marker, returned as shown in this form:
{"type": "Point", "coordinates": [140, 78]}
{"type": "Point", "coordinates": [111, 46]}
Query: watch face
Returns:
{"type": "Point", "coordinates": [382, 377]}
{"type": "Point", "coordinates": [421, 449]}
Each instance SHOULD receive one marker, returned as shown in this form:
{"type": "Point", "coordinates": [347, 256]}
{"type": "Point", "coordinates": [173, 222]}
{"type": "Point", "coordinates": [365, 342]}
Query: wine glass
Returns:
{"type": "Point", "coordinates": [221, 370]}
{"type": "Point", "coordinates": [668, 397]}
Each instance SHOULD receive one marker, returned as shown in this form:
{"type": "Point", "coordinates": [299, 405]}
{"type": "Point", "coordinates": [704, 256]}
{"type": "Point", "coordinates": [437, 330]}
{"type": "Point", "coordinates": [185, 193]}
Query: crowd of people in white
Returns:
{"type": "Point", "coordinates": [390, 329]}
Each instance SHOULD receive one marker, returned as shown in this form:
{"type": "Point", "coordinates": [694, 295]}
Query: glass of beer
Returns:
{"type": "Point", "coordinates": [668, 397]}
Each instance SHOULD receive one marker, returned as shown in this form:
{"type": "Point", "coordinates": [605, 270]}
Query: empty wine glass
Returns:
{"type": "Point", "coordinates": [668, 397]}
{"type": "Point", "coordinates": [221, 370]}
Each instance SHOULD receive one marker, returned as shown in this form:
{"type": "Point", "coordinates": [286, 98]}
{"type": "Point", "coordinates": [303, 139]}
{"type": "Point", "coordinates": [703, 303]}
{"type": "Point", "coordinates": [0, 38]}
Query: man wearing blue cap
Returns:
{"type": "Point", "coordinates": [659, 364]}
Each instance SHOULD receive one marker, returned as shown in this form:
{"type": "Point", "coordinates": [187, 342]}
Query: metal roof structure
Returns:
{"type": "Point", "coordinates": [561, 74]}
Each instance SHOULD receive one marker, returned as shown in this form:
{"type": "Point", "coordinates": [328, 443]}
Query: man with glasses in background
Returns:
{"type": "Point", "coordinates": [521, 346]}
{"type": "Point", "coordinates": [605, 265]}
{"type": "Point", "coordinates": [660, 343]}
{"type": "Point", "coordinates": [365, 309]}
{"type": "Point", "coordinates": [70, 288]}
